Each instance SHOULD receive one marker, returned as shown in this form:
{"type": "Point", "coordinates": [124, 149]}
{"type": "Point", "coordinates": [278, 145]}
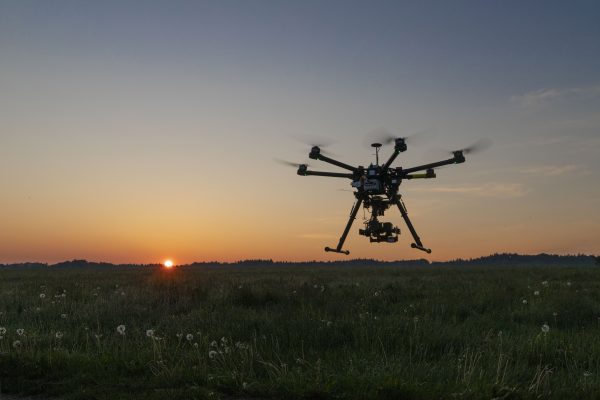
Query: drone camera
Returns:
{"type": "Point", "coordinates": [378, 231]}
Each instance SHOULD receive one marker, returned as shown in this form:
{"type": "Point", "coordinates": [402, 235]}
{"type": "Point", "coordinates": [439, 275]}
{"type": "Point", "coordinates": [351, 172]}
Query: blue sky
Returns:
{"type": "Point", "coordinates": [103, 105]}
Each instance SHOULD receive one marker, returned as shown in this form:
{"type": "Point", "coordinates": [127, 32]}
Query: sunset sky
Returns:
{"type": "Point", "coordinates": [140, 131]}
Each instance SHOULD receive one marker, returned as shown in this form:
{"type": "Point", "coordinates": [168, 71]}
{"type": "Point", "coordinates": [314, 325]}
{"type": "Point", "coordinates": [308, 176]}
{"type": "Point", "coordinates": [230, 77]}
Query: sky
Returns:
{"type": "Point", "coordinates": [140, 131]}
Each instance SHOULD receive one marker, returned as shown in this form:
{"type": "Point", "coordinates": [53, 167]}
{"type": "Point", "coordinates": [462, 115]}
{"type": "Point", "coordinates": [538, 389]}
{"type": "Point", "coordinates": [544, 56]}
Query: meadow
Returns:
{"type": "Point", "coordinates": [301, 333]}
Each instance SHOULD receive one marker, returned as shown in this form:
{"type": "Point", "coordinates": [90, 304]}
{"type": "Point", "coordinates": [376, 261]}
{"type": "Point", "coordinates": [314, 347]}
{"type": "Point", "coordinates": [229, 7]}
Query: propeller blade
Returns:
{"type": "Point", "coordinates": [289, 163]}
{"type": "Point", "coordinates": [313, 141]}
{"type": "Point", "coordinates": [480, 145]}
{"type": "Point", "coordinates": [384, 136]}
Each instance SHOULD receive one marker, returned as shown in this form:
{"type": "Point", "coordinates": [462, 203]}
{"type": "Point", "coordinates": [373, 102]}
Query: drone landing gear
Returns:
{"type": "Point", "coordinates": [418, 244]}
{"type": "Point", "coordinates": [353, 213]}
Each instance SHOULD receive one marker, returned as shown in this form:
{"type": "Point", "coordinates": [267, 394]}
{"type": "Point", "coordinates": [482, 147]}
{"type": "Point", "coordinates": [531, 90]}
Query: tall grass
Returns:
{"type": "Point", "coordinates": [350, 333]}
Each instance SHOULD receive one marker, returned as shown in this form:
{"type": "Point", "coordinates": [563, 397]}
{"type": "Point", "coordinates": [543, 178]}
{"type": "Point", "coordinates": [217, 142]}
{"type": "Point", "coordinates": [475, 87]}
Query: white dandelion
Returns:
{"type": "Point", "coordinates": [536, 293]}
{"type": "Point", "coordinates": [121, 330]}
{"type": "Point", "coordinates": [524, 301]}
{"type": "Point", "coordinates": [189, 337]}
{"type": "Point", "coordinates": [213, 343]}
{"type": "Point", "coordinates": [545, 328]}
{"type": "Point", "coordinates": [2, 330]}
{"type": "Point", "coordinates": [150, 333]}
{"type": "Point", "coordinates": [42, 296]}
{"type": "Point", "coordinates": [17, 344]}
{"type": "Point", "coordinates": [59, 335]}
{"type": "Point", "coordinates": [212, 354]}
{"type": "Point", "coordinates": [63, 316]}
{"type": "Point", "coordinates": [179, 335]}
{"type": "Point", "coordinates": [545, 283]}
{"type": "Point", "coordinates": [20, 331]}
{"type": "Point", "coordinates": [196, 345]}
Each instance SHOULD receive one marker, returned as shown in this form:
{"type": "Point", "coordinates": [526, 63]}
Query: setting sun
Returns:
{"type": "Point", "coordinates": [168, 264]}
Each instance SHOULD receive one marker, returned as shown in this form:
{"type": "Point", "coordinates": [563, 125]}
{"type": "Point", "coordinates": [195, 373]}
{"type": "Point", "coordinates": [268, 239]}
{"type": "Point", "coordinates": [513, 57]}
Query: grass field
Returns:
{"type": "Point", "coordinates": [324, 333]}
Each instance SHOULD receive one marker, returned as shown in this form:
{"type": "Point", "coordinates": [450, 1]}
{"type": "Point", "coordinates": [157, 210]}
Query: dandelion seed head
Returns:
{"type": "Point", "coordinates": [42, 296]}
{"type": "Point", "coordinates": [524, 301]}
{"type": "Point", "coordinates": [121, 330]}
{"type": "Point", "coordinates": [63, 316]}
{"type": "Point", "coordinates": [17, 344]}
{"type": "Point", "coordinates": [58, 335]}
{"type": "Point", "coordinates": [212, 354]}
{"type": "Point", "coordinates": [2, 330]}
{"type": "Point", "coordinates": [150, 333]}
{"type": "Point", "coordinates": [536, 293]}
{"type": "Point", "coordinates": [545, 328]}
{"type": "Point", "coordinates": [20, 331]}
{"type": "Point", "coordinates": [189, 337]}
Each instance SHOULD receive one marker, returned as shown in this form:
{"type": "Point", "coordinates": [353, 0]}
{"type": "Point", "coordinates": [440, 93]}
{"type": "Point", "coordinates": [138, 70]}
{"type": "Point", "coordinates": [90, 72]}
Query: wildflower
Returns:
{"type": "Point", "coordinates": [196, 345]}
{"type": "Point", "coordinates": [63, 295]}
{"type": "Point", "coordinates": [63, 316]}
{"type": "Point", "coordinates": [568, 283]}
{"type": "Point", "coordinates": [20, 331]}
{"type": "Point", "coordinates": [213, 343]}
{"type": "Point", "coordinates": [524, 301]}
{"type": "Point", "coordinates": [536, 293]}
{"type": "Point", "coordinates": [545, 328]}
{"type": "Point", "coordinates": [212, 354]}
{"type": "Point", "coordinates": [377, 293]}
{"type": "Point", "coordinates": [545, 283]}
{"type": "Point", "coordinates": [17, 344]}
{"type": "Point", "coordinates": [2, 330]}
{"type": "Point", "coordinates": [587, 373]}
{"type": "Point", "coordinates": [189, 337]}
{"type": "Point", "coordinates": [150, 333]}
{"type": "Point", "coordinates": [42, 296]}
{"type": "Point", "coordinates": [121, 330]}
{"type": "Point", "coordinates": [224, 340]}
{"type": "Point", "coordinates": [179, 335]}
{"type": "Point", "coordinates": [59, 335]}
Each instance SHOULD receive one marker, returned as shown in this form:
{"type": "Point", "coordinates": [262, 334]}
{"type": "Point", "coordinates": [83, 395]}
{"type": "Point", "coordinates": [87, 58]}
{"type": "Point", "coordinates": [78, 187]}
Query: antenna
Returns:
{"type": "Point", "coordinates": [377, 146]}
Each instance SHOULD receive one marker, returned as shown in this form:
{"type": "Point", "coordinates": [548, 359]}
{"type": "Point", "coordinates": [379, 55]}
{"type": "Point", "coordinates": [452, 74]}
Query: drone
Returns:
{"type": "Point", "coordinates": [376, 189]}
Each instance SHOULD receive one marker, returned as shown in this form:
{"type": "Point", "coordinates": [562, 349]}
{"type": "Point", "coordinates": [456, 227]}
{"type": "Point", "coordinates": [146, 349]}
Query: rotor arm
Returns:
{"type": "Point", "coordinates": [457, 159]}
{"type": "Point", "coordinates": [315, 154]}
{"type": "Point", "coordinates": [329, 174]}
{"type": "Point", "coordinates": [353, 213]}
{"type": "Point", "coordinates": [399, 147]}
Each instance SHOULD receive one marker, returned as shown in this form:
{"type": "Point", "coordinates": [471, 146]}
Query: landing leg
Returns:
{"type": "Point", "coordinates": [353, 213]}
{"type": "Point", "coordinates": [417, 244]}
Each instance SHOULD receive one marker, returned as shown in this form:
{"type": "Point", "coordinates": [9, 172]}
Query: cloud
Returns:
{"type": "Point", "coordinates": [316, 236]}
{"type": "Point", "coordinates": [552, 170]}
{"type": "Point", "coordinates": [498, 190]}
{"type": "Point", "coordinates": [541, 97]}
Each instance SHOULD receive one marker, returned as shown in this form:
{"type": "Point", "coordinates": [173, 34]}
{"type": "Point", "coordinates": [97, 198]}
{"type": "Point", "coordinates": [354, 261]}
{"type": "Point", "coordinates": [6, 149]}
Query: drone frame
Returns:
{"type": "Point", "coordinates": [391, 178]}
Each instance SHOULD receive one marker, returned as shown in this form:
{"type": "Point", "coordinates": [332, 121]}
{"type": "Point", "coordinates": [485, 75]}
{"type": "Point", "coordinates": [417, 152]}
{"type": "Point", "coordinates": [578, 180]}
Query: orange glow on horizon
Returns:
{"type": "Point", "coordinates": [168, 264]}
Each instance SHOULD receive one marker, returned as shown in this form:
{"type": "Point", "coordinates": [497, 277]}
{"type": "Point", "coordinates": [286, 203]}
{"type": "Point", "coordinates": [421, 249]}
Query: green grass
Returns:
{"type": "Point", "coordinates": [320, 333]}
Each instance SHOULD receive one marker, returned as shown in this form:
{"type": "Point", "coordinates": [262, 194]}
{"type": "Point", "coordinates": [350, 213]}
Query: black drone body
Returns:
{"type": "Point", "coordinates": [376, 189]}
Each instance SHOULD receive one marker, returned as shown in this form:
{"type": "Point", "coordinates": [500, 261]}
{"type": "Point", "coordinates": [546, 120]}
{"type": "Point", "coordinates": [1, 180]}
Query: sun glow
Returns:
{"type": "Point", "coordinates": [168, 264]}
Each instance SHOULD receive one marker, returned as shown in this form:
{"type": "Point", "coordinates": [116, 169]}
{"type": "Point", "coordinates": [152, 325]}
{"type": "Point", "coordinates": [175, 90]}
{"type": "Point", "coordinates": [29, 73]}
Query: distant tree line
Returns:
{"type": "Point", "coordinates": [494, 260]}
